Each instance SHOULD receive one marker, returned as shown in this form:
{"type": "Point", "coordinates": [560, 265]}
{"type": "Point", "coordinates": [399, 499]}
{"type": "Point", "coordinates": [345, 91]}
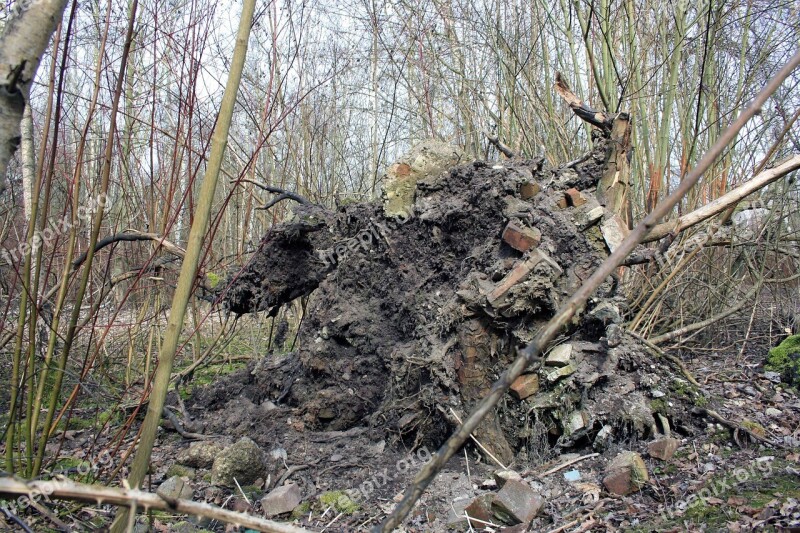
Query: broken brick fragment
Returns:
{"type": "Point", "coordinates": [480, 509]}
{"type": "Point", "coordinates": [516, 503]}
{"type": "Point", "coordinates": [519, 273]}
{"type": "Point", "coordinates": [625, 474]}
{"type": "Point", "coordinates": [520, 237]}
{"type": "Point", "coordinates": [529, 189]}
{"type": "Point", "coordinates": [574, 197]}
{"type": "Point", "coordinates": [524, 386]}
{"type": "Point", "coordinates": [664, 448]}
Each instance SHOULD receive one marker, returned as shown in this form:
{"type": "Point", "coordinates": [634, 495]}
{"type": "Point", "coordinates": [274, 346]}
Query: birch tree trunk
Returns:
{"type": "Point", "coordinates": [22, 43]}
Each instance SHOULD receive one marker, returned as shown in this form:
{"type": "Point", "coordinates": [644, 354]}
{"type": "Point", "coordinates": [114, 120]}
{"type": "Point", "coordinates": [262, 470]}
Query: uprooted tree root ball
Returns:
{"type": "Point", "coordinates": [411, 318]}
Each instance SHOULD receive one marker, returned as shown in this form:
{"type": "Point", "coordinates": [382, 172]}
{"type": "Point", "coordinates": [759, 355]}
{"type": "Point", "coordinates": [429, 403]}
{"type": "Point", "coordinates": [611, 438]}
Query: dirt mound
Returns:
{"type": "Point", "coordinates": [410, 319]}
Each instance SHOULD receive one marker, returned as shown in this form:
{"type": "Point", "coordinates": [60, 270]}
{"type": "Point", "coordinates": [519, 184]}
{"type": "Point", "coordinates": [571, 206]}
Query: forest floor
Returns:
{"type": "Point", "coordinates": [719, 479]}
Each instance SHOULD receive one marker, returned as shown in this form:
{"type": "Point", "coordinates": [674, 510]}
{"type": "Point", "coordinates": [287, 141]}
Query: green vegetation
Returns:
{"type": "Point", "coordinates": [687, 391]}
{"type": "Point", "coordinates": [710, 506]}
{"type": "Point", "coordinates": [213, 279]}
{"type": "Point", "coordinates": [339, 500]}
{"type": "Point", "coordinates": [785, 358]}
{"type": "Point", "coordinates": [301, 510]}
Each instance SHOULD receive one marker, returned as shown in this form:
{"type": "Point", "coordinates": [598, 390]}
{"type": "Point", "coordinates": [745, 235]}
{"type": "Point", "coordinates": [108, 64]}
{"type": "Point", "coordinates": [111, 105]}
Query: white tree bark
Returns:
{"type": "Point", "coordinates": [28, 159]}
{"type": "Point", "coordinates": [22, 43]}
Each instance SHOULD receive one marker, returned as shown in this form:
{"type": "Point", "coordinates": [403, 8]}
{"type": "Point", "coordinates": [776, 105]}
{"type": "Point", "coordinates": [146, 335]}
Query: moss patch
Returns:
{"type": "Point", "coordinates": [785, 358]}
{"type": "Point", "coordinates": [340, 501]}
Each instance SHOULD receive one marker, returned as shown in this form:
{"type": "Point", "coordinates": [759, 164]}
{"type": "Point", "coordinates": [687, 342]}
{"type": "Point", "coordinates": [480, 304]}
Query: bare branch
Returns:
{"type": "Point", "coordinates": [69, 490]}
{"type": "Point", "coordinates": [497, 143]}
{"type": "Point", "coordinates": [283, 193]}
{"type": "Point", "coordinates": [130, 237]}
{"type": "Point", "coordinates": [726, 200]}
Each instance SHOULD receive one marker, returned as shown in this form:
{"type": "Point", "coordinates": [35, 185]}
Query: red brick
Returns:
{"type": "Point", "coordinates": [516, 503]}
{"type": "Point", "coordinates": [521, 238]}
{"type": "Point", "coordinates": [524, 386]}
{"type": "Point", "coordinates": [574, 197]}
{"type": "Point", "coordinates": [480, 508]}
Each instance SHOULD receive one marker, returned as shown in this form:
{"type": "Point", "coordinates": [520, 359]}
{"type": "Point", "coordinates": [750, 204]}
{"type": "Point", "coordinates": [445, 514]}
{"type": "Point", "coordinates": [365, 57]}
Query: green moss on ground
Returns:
{"type": "Point", "coordinates": [785, 358]}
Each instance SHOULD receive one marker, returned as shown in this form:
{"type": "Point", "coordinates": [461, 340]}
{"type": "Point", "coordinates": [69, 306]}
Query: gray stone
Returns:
{"type": "Point", "coordinates": [614, 231]}
{"type": "Point", "coordinates": [502, 476]}
{"type": "Point", "coordinates": [607, 313]}
{"type": "Point", "coordinates": [281, 500]}
{"type": "Point", "coordinates": [577, 421]}
{"type": "Point", "coordinates": [455, 514]}
{"type": "Point", "coordinates": [175, 488]}
{"type": "Point", "coordinates": [200, 454]}
{"type": "Point", "coordinates": [516, 503]}
{"type": "Point", "coordinates": [242, 460]}
{"type": "Point", "coordinates": [559, 373]}
{"type": "Point", "coordinates": [603, 438]}
{"type": "Point", "coordinates": [559, 356]}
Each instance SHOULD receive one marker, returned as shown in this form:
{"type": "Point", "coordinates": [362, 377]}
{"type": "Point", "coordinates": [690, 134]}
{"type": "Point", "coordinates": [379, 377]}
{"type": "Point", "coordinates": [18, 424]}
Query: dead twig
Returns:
{"type": "Point", "coordinates": [669, 357]}
{"type": "Point", "coordinates": [497, 143]}
{"type": "Point", "coordinates": [568, 463]}
{"type": "Point", "coordinates": [596, 118]}
{"type": "Point", "coordinates": [283, 194]}
{"type": "Point", "coordinates": [734, 426]}
{"type": "Point", "coordinates": [69, 490]}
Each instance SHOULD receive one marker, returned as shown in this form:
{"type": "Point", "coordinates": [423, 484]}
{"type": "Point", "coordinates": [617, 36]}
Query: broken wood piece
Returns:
{"type": "Point", "coordinates": [614, 231]}
{"type": "Point", "coordinates": [584, 112]}
{"type": "Point", "coordinates": [519, 273]}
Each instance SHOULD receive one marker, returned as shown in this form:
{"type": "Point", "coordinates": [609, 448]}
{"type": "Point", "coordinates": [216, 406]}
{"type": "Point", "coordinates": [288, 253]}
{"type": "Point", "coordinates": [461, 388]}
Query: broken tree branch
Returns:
{"type": "Point", "coordinates": [283, 194]}
{"type": "Point", "coordinates": [501, 147]}
{"type": "Point", "coordinates": [726, 200]}
{"type": "Point", "coordinates": [130, 237]}
{"type": "Point", "coordinates": [69, 490]}
{"type": "Point", "coordinates": [577, 301]}
{"type": "Point", "coordinates": [596, 118]}
{"type": "Point", "coordinates": [22, 43]}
